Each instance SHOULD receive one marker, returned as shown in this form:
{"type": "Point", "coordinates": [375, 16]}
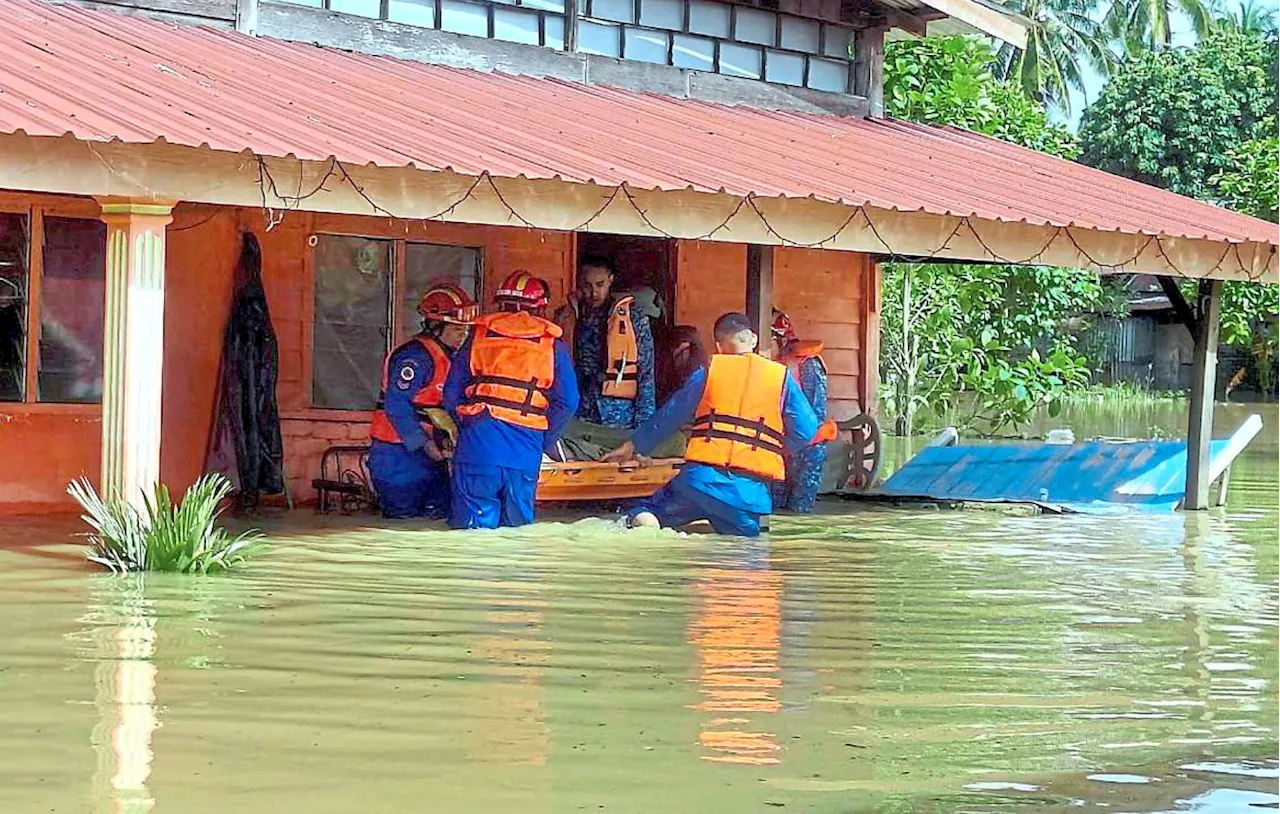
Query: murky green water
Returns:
{"type": "Point", "coordinates": [879, 661]}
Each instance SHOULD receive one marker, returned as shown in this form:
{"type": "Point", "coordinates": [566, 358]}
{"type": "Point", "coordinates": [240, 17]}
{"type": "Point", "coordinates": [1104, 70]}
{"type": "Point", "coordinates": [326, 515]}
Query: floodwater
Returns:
{"type": "Point", "coordinates": [881, 660]}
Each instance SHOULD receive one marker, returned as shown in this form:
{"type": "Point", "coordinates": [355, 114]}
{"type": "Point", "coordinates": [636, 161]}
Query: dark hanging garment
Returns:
{"type": "Point", "coordinates": [246, 445]}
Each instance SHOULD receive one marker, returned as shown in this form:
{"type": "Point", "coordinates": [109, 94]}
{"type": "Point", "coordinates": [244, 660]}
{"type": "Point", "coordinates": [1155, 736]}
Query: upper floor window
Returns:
{"type": "Point", "coordinates": [55, 295]}
{"type": "Point", "coordinates": [366, 293]}
{"type": "Point", "coordinates": [529, 22]}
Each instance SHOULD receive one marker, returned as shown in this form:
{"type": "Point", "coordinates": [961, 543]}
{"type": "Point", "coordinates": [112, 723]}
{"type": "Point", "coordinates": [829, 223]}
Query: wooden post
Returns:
{"type": "Point", "coordinates": [133, 347]}
{"type": "Point", "coordinates": [870, 372]}
{"type": "Point", "coordinates": [1200, 419]}
{"type": "Point", "coordinates": [760, 294]}
{"type": "Point", "coordinates": [868, 69]}
{"type": "Point", "coordinates": [247, 16]}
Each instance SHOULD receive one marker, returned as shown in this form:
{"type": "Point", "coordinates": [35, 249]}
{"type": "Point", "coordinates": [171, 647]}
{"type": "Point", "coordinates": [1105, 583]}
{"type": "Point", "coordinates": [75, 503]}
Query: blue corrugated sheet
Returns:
{"type": "Point", "coordinates": [1148, 475]}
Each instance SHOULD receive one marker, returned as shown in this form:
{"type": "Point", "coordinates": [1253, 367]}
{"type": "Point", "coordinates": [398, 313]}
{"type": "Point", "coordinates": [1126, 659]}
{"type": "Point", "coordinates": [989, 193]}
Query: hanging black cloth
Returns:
{"type": "Point", "coordinates": [246, 444]}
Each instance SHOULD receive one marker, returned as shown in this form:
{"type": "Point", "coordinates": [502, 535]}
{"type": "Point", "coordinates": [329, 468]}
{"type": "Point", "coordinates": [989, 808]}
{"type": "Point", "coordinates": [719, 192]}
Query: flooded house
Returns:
{"type": "Point", "coordinates": [731, 155]}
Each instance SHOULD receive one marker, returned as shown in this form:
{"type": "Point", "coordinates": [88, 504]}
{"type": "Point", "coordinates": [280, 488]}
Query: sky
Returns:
{"type": "Point", "coordinates": [1093, 82]}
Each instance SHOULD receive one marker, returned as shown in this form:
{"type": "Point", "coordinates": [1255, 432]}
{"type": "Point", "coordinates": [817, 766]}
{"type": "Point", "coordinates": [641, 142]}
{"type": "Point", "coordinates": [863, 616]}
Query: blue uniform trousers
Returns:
{"type": "Point", "coordinates": [486, 497]}
{"type": "Point", "coordinates": [408, 483]}
{"type": "Point", "coordinates": [678, 504]}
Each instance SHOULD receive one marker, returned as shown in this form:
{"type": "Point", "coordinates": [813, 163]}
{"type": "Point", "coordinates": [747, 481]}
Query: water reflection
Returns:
{"type": "Point", "coordinates": [737, 633]}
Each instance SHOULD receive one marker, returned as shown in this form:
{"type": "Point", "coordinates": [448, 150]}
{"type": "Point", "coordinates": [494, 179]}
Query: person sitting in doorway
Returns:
{"type": "Point", "coordinates": [512, 391]}
{"type": "Point", "coordinates": [803, 359]}
{"type": "Point", "coordinates": [612, 351]}
{"type": "Point", "coordinates": [746, 413]}
{"type": "Point", "coordinates": [412, 436]}
{"type": "Point", "coordinates": [687, 356]}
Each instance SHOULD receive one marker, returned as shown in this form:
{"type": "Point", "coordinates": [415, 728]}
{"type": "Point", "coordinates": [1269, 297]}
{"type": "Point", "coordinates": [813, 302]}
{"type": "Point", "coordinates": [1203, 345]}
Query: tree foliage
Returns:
{"type": "Point", "coordinates": [1170, 118]}
{"type": "Point", "coordinates": [1142, 25]}
{"type": "Point", "coordinates": [1064, 42]}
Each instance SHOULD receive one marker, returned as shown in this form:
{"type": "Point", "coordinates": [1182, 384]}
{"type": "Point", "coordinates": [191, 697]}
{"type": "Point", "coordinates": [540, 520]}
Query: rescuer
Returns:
{"type": "Point", "coordinates": [804, 467]}
{"type": "Point", "coordinates": [412, 435]}
{"type": "Point", "coordinates": [746, 414]}
{"type": "Point", "coordinates": [512, 391]}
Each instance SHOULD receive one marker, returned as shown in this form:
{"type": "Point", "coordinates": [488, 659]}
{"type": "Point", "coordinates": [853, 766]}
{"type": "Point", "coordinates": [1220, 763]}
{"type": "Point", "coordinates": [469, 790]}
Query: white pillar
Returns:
{"type": "Point", "coordinates": [133, 353]}
{"type": "Point", "coordinates": [1204, 379]}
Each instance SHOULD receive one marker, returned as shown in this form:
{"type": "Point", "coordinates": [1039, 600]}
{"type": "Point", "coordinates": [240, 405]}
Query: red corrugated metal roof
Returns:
{"type": "Point", "coordinates": [102, 76]}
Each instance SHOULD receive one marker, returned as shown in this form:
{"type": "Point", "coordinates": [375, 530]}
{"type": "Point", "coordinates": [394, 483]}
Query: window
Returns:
{"type": "Point", "coordinates": [366, 293]}
{"type": "Point", "coordinates": [739, 60]}
{"type": "Point", "coordinates": [753, 25]}
{"type": "Point", "coordinates": [70, 275]}
{"type": "Point", "coordinates": [514, 25]}
{"type": "Point", "coordinates": [662, 14]}
{"type": "Point", "coordinates": [695, 53]}
{"type": "Point", "coordinates": [598, 39]}
{"type": "Point", "coordinates": [360, 8]}
{"type": "Point", "coordinates": [643, 45]}
{"type": "Point", "coordinates": [784, 68]}
{"type": "Point", "coordinates": [709, 18]}
{"type": "Point", "coordinates": [413, 12]}
{"type": "Point", "coordinates": [462, 17]}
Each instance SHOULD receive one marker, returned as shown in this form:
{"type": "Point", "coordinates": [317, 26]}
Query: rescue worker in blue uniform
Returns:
{"type": "Point", "coordinates": [412, 435]}
{"type": "Point", "coordinates": [612, 351]}
{"type": "Point", "coordinates": [746, 413]}
{"type": "Point", "coordinates": [512, 390]}
{"type": "Point", "coordinates": [803, 358]}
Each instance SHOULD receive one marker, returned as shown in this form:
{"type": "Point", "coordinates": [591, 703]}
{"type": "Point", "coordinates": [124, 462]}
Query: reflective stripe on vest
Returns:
{"type": "Point", "coordinates": [512, 369]}
{"type": "Point", "coordinates": [738, 423]}
{"type": "Point", "coordinates": [430, 395]}
{"type": "Point", "coordinates": [620, 378]}
{"type": "Point", "coordinates": [798, 352]}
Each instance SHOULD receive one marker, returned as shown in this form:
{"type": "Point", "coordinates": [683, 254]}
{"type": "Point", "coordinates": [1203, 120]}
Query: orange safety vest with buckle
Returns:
{"type": "Point", "coordinates": [513, 365]}
{"type": "Point", "coordinates": [620, 378]}
{"type": "Point", "coordinates": [798, 352]}
{"type": "Point", "coordinates": [428, 398]}
{"type": "Point", "coordinates": [738, 423]}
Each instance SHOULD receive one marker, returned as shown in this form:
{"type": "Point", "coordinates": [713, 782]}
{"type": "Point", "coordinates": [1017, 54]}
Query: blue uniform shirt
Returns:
{"type": "Point", "coordinates": [485, 441]}
{"type": "Point", "coordinates": [590, 349]}
{"type": "Point", "coordinates": [408, 371]}
{"type": "Point", "coordinates": [743, 492]}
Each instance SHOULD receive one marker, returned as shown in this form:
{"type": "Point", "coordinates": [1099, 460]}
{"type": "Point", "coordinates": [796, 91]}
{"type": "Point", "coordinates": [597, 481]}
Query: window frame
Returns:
{"type": "Point", "coordinates": [35, 207]}
{"type": "Point", "coordinates": [395, 293]}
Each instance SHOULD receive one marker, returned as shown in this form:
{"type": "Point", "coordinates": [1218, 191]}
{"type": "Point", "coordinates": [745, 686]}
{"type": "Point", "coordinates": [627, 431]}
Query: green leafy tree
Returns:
{"type": "Point", "coordinates": [1250, 17]}
{"type": "Point", "coordinates": [1064, 42]}
{"type": "Point", "coordinates": [1146, 25]}
{"type": "Point", "coordinates": [1170, 118]}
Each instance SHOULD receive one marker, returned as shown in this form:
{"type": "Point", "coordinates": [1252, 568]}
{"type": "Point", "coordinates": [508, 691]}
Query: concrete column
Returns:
{"type": "Point", "coordinates": [1200, 419]}
{"type": "Point", "coordinates": [868, 68]}
{"type": "Point", "coordinates": [760, 294]}
{"type": "Point", "coordinates": [133, 352]}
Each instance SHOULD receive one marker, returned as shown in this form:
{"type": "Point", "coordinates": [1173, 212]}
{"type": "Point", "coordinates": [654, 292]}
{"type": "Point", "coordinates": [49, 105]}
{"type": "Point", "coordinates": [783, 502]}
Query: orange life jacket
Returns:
{"type": "Point", "coordinates": [622, 353]}
{"type": "Point", "coordinates": [799, 351]}
{"type": "Point", "coordinates": [513, 365]}
{"type": "Point", "coordinates": [429, 396]}
{"type": "Point", "coordinates": [738, 424]}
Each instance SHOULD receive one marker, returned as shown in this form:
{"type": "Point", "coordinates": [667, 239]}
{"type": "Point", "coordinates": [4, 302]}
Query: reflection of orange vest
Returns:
{"type": "Point", "coordinates": [738, 424]}
{"type": "Point", "coordinates": [430, 395]}
{"type": "Point", "coordinates": [622, 352]}
{"type": "Point", "coordinates": [798, 352]}
{"type": "Point", "coordinates": [513, 365]}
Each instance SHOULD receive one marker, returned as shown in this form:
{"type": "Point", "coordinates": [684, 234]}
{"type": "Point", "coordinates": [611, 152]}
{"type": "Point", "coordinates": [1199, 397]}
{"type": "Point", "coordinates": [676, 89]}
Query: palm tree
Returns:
{"type": "Point", "coordinates": [1250, 17]}
{"type": "Point", "coordinates": [1064, 38]}
{"type": "Point", "coordinates": [1141, 25]}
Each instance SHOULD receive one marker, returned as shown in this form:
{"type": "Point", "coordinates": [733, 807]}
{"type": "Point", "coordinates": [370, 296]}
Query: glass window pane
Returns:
{"type": "Point", "coordinates": [646, 46]}
{"type": "Point", "coordinates": [754, 25]}
{"type": "Point", "coordinates": [598, 39]}
{"type": "Point", "coordinates": [799, 35]}
{"type": "Point", "coordinates": [14, 241]}
{"type": "Point", "coordinates": [464, 18]}
{"type": "Point", "coordinates": [311, 3]}
{"type": "Point", "coordinates": [622, 11]}
{"type": "Point", "coordinates": [72, 304]}
{"type": "Point", "coordinates": [362, 8]}
{"type": "Point", "coordinates": [784, 68]}
{"type": "Point", "coordinates": [835, 42]}
{"type": "Point", "coordinates": [349, 337]}
{"type": "Point", "coordinates": [413, 12]}
{"type": "Point", "coordinates": [693, 52]}
{"type": "Point", "coordinates": [739, 60]}
{"type": "Point", "coordinates": [514, 25]}
{"type": "Point", "coordinates": [824, 74]}
{"type": "Point", "coordinates": [545, 5]}
{"type": "Point", "coordinates": [662, 14]}
{"type": "Point", "coordinates": [553, 31]}
{"type": "Point", "coordinates": [426, 265]}
{"type": "Point", "coordinates": [708, 18]}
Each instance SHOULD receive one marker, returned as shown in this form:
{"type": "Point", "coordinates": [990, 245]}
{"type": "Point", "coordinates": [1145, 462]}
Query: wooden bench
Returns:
{"type": "Point", "coordinates": [344, 483]}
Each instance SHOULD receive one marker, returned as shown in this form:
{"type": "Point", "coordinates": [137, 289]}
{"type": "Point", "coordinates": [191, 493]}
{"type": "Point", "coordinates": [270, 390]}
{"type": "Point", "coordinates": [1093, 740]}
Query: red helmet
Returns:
{"type": "Point", "coordinates": [522, 288]}
{"type": "Point", "coordinates": [781, 328]}
{"type": "Point", "coordinates": [447, 303]}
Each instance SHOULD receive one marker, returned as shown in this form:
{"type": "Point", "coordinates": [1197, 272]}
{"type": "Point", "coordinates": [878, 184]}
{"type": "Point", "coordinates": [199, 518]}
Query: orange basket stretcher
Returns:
{"type": "Point", "coordinates": [593, 480]}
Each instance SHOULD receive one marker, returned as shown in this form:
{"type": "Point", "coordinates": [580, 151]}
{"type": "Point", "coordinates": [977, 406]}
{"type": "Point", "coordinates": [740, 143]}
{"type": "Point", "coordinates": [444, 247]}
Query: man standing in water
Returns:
{"type": "Point", "coordinates": [612, 351]}
{"type": "Point", "coordinates": [412, 435]}
{"type": "Point", "coordinates": [513, 391]}
{"type": "Point", "coordinates": [747, 412]}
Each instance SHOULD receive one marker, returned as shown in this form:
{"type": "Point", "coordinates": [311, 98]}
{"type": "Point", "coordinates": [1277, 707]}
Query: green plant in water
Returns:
{"type": "Point", "coordinates": [164, 537]}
